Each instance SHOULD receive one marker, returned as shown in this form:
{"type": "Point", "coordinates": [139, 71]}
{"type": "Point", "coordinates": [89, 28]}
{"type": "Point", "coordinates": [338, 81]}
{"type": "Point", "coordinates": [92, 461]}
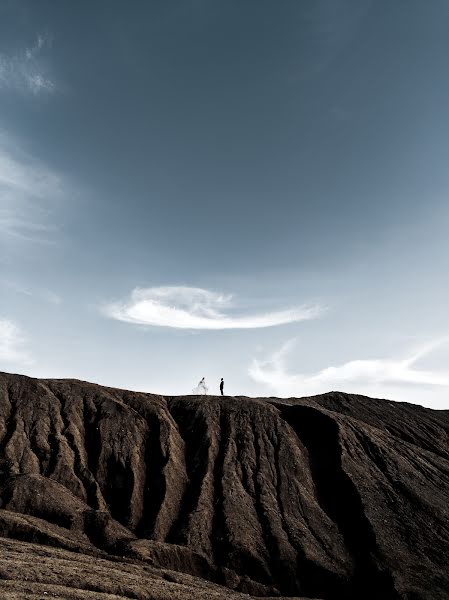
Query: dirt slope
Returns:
{"type": "Point", "coordinates": [331, 497]}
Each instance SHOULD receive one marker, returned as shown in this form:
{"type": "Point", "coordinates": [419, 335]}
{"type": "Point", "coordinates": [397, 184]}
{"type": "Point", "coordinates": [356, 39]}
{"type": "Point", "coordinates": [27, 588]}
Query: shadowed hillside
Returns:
{"type": "Point", "coordinates": [332, 497]}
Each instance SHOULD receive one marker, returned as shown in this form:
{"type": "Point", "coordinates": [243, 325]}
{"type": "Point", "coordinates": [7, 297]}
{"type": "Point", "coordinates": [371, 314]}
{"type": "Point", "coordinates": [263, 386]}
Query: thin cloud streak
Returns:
{"type": "Point", "coordinates": [27, 191]}
{"type": "Point", "coordinates": [356, 376]}
{"type": "Point", "coordinates": [43, 294]}
{"type": "Point", "coordinates": [24, 71]}
{"type": "Point", "coordinates": [195, 308]}
{"type": "Point", "coordinates": [12, 343]}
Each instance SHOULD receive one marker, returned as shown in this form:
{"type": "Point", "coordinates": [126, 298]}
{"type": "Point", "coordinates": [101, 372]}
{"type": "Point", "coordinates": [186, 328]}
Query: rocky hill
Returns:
{"type": "Point", "coordinates": [106, 493]}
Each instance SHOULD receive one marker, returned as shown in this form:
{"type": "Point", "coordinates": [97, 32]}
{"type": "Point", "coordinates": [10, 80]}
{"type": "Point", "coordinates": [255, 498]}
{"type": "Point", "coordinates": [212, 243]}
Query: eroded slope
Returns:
{"type": "Point", "coordinates": [335, 496]}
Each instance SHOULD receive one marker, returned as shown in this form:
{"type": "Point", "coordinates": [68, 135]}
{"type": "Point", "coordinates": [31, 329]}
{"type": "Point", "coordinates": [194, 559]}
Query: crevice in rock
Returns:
{"type": "Point", "coordinates": [287, 577]}
{"type": "Point", "coordinates": [339, 498]}
{"type": "Point", "coordinates": [118, 489]}
{"type": "Point", "coordinates": [155, 484]}
{"type": "Point", "coordinates": [92, 437]}
{"type": "Point", "coordinates": [196, 439]}
{"type": "Point", "coordinates": [83, 474]}
{"type": "Point", "coordinates": [242, 562]}
{"type": "Point", "coordinates": [50, 464]}
{"type": "Point", "coordinates": [10, 425]}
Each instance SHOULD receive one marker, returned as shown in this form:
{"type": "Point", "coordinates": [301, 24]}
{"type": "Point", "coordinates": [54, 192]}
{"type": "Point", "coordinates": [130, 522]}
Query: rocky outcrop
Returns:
{"type": "Point", "coordinates": [331, 497]}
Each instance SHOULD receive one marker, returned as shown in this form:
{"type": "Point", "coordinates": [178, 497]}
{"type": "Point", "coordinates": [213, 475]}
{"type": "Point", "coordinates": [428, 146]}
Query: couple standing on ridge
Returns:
{"type": "Point", "coordinates": [202, 388]}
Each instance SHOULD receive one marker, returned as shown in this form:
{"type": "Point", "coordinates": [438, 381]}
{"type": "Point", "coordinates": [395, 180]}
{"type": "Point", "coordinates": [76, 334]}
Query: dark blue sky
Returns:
{"type": "Point", "coordinates": [289, 154]}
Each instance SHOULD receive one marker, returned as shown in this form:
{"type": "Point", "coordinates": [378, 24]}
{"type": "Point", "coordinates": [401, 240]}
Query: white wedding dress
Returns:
{"type": "Point", "coordinates": [201, 388]}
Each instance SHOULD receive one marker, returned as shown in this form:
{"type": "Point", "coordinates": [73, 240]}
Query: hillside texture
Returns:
{"type": "Point", "coordinates": [106, 493]}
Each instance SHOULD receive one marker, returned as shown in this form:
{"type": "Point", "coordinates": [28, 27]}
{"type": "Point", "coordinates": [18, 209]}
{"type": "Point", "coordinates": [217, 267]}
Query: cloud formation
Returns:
{"type": "Point", "coordinates": [195, 308]}
{"type": "Point", "coordinates": [12, 343]}
{"type": "Point", "coordinates": [25, 71]}
{"type": "Point", "coordinates": [371, 377]}
{"type": "Point", "coordinates": [27, 190]}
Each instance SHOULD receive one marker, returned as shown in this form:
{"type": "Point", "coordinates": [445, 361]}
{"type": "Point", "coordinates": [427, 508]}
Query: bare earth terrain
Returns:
{"type": "Point", "coordinates": [108, 494]}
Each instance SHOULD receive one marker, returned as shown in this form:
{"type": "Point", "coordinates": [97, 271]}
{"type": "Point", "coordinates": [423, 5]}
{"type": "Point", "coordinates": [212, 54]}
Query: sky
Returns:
{"type": "Point", "coordinates": [250, 189]}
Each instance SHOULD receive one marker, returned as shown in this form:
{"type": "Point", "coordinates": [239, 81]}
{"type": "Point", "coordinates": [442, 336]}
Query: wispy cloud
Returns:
{"type": "Point", "coordinates": [27, 190]}
{"type": "Point", "coordinates": [369, 377]}
{"type": "Point", "coordinates": [43, 294]}
{"type": "Point", "coordinates": [196, 308]}
{"type": "Point", "coordinates": [25, 70]}
{"type": "Point", "coordinates": [12, 343]}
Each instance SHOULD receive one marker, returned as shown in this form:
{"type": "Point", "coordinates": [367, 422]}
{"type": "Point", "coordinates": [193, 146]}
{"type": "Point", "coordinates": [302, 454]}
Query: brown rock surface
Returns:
{"type": "Point", "coordinates": [333, 497]}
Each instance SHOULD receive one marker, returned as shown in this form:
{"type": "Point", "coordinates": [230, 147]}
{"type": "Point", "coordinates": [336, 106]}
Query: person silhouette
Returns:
{"type": "Point", "coordinates": [221, 386]}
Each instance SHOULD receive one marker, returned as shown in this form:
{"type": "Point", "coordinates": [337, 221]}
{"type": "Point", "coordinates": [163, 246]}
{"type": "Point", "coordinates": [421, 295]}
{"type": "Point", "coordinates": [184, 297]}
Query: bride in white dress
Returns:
{"type": "Point", "coordinates": [201, 388]}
